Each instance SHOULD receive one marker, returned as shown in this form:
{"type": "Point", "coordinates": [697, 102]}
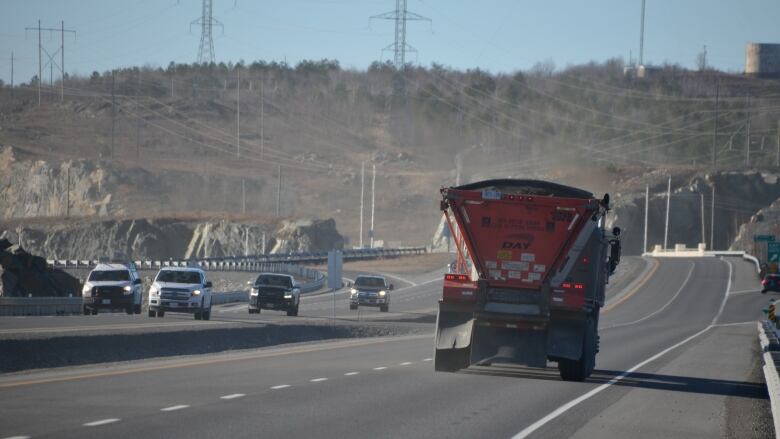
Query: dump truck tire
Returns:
{"type": "Point", "coordinates": [578, 370]}
{"type": "Point", "coordinates": [451, 360]}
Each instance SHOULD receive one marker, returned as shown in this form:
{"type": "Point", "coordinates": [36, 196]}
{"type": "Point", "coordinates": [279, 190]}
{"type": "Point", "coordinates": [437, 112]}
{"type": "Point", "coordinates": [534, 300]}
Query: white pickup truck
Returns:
{"type": "Point", "coordinates": [182, 289]}
{"type": "Point", "coordinates": [113, 286]}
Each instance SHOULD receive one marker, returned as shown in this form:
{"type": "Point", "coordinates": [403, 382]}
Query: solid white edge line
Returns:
{"type": "Point", "coordinates": [233, 396]}
{"type": "Point", "coordinates": [317, 380]}
{"type": "Point", "coordinates": [524, 433]}
{"type": "Point", "coordinates": [280, 386]}
{"type": "Point", "coordinates": [682, 287]}
{"type": "Point", "coordinates": [349, 374]}
{"type": "Point", "coordinates": [101, 422]}
{"type": "Point", "coordinates": [174, 408]}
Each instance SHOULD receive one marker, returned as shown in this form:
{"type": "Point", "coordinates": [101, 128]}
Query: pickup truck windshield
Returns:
{"type": "Point", "coordinates": [109, 275]}
{"type": "Point", "coordinates": [371, 282]}
{"type": "Point", "coordinates": [179, 277]}
{"type": "Point", "coordinates": [276, 281]}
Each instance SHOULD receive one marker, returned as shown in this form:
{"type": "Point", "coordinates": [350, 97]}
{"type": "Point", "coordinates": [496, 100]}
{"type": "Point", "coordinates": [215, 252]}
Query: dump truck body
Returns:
{"type": "Point", "coordinates": [532, 267]}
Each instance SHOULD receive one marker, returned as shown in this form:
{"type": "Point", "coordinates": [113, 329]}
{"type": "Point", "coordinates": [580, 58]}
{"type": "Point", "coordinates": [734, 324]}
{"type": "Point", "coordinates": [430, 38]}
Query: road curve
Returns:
{"type": "Point", "coordinates": [686, 340]}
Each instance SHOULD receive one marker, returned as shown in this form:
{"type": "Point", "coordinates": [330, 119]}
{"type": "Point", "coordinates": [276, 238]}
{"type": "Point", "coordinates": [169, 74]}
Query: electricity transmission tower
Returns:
{"type": "Point", "coordinates": [206, 23]}
{"type": "Point", "coordinates": [401, 15]}
{"type": "Point", "coordinates": [52, 62]}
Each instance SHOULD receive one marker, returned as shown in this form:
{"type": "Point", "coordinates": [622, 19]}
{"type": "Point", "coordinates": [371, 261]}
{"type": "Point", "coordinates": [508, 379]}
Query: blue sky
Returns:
{"type": "Point", "coordinates": [496, 35]}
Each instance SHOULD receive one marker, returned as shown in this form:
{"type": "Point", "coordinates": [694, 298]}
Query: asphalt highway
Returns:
{"type": "Point", "coordinates": [678, 359]}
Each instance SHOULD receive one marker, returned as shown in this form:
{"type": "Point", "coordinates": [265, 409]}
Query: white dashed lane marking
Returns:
{"type": "Point", "coordinates": [173, 408]}
{"type": "Point", "coordinates": [17, 437]}
{"type": "Point", "coordinates": [280, 386]}
{"type": "Point", "coordinates": [406, 363]}
{"type": "Point", "coordinates": [317, 380]}
{"type": "Point", "coordinates": [380, 368]}
{"type": "Point", "coordinates": [349, 374]}
{"type": "Point", "coordinates": [233, 396]}
{"type": "Point", "coordinates": [427, 359]}
{"type": "Point", "coordinates": [101, 422]}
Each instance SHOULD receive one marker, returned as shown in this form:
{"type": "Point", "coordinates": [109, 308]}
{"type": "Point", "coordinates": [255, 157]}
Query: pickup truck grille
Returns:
{"type": "Point", "coordinates": [174, 294]}
{"type": "Point", "coordinates": [108, 292]}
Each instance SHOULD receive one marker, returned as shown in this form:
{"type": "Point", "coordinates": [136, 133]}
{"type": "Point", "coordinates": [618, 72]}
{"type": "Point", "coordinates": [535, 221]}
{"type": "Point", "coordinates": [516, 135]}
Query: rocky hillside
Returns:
{"type": "Point", "coordinates": [164, 238]}
{"type": "Point", "coordinates": [738, 197]}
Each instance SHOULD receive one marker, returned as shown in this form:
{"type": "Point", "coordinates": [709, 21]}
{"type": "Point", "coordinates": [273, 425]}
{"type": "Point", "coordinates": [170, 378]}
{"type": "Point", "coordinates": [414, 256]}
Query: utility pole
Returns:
{"type": "Point", "coordinates": [400, 15]}
{"type": "Point", "coordinates": [67, 194]}
{"type": "Point", "coordinates": [113, 112]}
{"type": "Point", "coordinates": [712, 218]}
{"type": "Point", "coordinates": [243, 195]}
{"type": "Point", "coordinates": [262, 121]}
{"type": "Point", "coordinates": [668, 199]}
{"type": "Point", "coordinates": [715, 131]}
{"type": "Point", "coordinates": [373, 198]}
{"type": "Point", "coordinates": [138, 119]}
{"type": "Point", "coordinates": [62, 63]}
{"type": "Point", "coordinates": [647, 207]}
{"type": "Point", "coordinates": [279, 192]}
{"type": "Point", "coordinates": [12, 74]}
{"type": "Point", "coordinates": [206, 23]}
{"type": "Point", "coordinates": [238, 112]}
{"type": "Point", "coordinates": [362, 192]}
{"type": "Point", "coordinates": [642, 36]}
{"type": "Point", "coordinates": [703, 233]}
{"type": "Point", "coordinates": [40, 61]}
{"type": "Point", "coordinates": [747, 132]}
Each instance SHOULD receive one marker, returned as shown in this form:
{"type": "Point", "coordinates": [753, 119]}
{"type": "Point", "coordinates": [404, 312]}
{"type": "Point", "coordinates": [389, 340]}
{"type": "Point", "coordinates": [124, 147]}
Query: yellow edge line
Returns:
{"type": "Point", "coordinates": [633, 291]}
{"type": "Point", "coordinates": [210, 361]}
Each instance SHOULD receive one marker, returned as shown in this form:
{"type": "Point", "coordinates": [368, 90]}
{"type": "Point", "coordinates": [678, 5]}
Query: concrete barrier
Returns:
{"type": "Point", "coordinates": [40, 306]}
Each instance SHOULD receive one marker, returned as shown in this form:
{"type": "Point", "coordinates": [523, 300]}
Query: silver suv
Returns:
{"type": "Point", "coordinates": [370, 291]}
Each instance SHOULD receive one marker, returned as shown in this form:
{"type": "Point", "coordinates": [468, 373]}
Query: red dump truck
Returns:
{"type": "Point", "coordinates": [533, 260]}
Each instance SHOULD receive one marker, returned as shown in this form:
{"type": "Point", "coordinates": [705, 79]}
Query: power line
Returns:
{"type": "Point", "coordinates": [400, 15]}
{"type": "Point", "coordinates": [206, 23]}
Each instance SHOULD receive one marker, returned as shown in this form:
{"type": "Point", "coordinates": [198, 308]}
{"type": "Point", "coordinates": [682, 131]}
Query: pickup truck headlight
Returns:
{"type": "Point", "coordinates": [196, 293]}
{"type": "Point", "coordinates": [127, 290]}
{"type": "Point", "coordinates": [382, 293]}
{"type": "Point", "coordinates": [353, 291]}
{"type": "Point", "coordinates": [288, 295]}
{"type": "Point", "coordinates": [86, 290]}
{"type": "Point", "coordinates": [154, 290]}
{"type": "Point", "coordinates": [254, 292]}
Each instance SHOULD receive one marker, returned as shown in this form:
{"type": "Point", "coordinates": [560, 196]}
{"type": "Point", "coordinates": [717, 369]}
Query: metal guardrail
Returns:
{"type": "Point", "coordinates": [770, 346]}
{"type": "Point", "coordinates": [249, 263]}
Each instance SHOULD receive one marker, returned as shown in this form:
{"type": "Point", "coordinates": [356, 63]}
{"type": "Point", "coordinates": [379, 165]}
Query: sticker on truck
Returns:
{"type": "Point", "coordinates": [491, 264]}
{"type": "Point", "coordinates": [496, 275]}
{"type": "Point", "coordinates": [491, 195]}
{"type": "Point", "coordinates": [539, 268]}
{"type": "Point", "coordinates": [504, 255]}
{"type": "Point", "coordinates": [527, 257]}
{"type": "Point", "coordinates": [515, 275]}
{"type": "Point", "coordinates": [514, 265]}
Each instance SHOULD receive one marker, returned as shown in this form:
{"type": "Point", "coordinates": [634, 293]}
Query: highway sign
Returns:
{"type": "Point", "coordinates": [773, 252]}
{"type": "Point", "coordinates": [765, 238]}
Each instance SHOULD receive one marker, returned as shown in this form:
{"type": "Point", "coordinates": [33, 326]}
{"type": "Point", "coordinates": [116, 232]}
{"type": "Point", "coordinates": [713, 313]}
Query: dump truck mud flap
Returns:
{"type": "Point", "coordinates": [565, 338]}
{"type": "Point", "coordinates": [454, 327]}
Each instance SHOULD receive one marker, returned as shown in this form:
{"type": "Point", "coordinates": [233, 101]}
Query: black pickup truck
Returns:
{"type": "Point", "coordinates": [278, 292]}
